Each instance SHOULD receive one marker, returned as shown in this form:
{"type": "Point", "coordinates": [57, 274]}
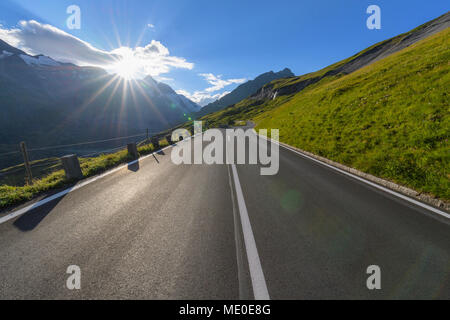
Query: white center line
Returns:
{"type": "Point", "coordinates": [256, 273]}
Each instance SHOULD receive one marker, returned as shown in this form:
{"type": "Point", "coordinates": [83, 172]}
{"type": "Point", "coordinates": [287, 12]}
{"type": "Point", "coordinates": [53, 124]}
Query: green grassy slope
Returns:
{"type": "Point", "coordinates": [389, 119]}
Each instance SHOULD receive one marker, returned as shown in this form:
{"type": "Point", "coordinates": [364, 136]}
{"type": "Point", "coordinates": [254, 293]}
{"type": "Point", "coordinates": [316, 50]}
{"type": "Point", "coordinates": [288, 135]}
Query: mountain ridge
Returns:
{"type": "Point", "coordinates": [244, 90]}
{"type": "Point", "coordinates": [361, 59]}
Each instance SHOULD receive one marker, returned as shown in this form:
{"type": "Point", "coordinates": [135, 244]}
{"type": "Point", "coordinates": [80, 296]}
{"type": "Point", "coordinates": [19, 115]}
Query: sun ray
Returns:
{"type": "Point", "coordinates": [108, 102]}
{"type": "Point", "coordinates": [137, 110]}
{"type": "Point", "coordinates": [85, 104]}
{"type": "Point", "coordinates": [123, 103]}
{"type": "Point", "coordinates": [152, 105]}
{"type": "Point", "coordinates": [116, 32]}
{"type": "Point", "coordinates": [98, 93]}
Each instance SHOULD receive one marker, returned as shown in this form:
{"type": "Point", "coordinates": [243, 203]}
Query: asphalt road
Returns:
{"type": "Point", "coordinates": [155, 230]}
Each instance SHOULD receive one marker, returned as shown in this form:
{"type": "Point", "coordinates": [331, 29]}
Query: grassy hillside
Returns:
{"type": "Point", "coordinates": [389, 119]}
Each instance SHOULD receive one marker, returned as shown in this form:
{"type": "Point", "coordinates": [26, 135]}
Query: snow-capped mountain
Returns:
{"type": "Point", "coordinates": [161, 89]}
{"type": "Point", "coordinates": [39, 60]}
{"type": "Point", "coordinates": [5, 54]}
{"type": "Point", "coordinates": [45, 101]}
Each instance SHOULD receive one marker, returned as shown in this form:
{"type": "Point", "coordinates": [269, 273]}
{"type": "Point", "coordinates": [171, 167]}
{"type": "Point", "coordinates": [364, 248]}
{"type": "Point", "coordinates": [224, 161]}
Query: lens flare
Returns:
{"type": "Point", "coordinates": [127, 68]}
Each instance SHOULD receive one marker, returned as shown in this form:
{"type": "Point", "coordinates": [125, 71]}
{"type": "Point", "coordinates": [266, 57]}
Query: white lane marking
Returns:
{"type": "Point", "coordinates": [237, 240]}
{"type": "Point", "coordinates": [256, 273]}
{"type": "Point", "coordinates": [397, 194]}
{"type": "Point", "coordinates": [38, 204]}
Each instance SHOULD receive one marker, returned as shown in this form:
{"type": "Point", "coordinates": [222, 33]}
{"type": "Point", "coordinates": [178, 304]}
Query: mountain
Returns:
{"type": "Point", "coordinates": [244, 90]}
{"type": "Point", "coordinates": [9, 49]}
{"type": "Point", "coordinates": [45, 102]}
{"type": "Point", "coordinates": [362, 59]}
{"type": "Point", "coordinates": [383, 111]}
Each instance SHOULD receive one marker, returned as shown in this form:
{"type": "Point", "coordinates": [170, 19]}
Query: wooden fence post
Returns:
{"type": "Point", "coordinates": [26, 162]}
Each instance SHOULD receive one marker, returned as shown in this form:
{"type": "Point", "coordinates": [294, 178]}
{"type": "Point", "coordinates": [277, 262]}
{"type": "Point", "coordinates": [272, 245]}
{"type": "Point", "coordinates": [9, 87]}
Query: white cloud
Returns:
{"type": "Point", "coordinates": [153, 59]}
{"type": "Point", "coordinates": [164, 79]}
{"type": "Point", "coordinates": [223, 94]}
{"type": "Point", "coordinates": [202, 98]}
{"type": "Point", "coordinates": [207, 96]}
{"type": "Point", "coordinates": [218, 83]}
{"type": "Point", "coordinates": [36, 38]}
{"type": "Point", "coordinates": [151, 26]}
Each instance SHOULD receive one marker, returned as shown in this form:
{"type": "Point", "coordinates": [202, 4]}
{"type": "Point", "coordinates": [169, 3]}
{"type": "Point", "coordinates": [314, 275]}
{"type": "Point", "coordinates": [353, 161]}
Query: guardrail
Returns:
{"type": "Point", "coordinates": [39, 162]}
{"type": "Point", "coordinates": [35, 167]}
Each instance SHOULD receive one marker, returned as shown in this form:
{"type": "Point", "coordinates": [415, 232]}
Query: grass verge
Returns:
{"type": "Point", "coordinates": [11, 195]}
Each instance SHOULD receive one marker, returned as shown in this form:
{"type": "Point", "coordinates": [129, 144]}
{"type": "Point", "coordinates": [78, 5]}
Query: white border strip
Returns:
{"type": "Point", "coordinates": [256, 273]}
{"type": "Point", "coordinates": [399, 195]}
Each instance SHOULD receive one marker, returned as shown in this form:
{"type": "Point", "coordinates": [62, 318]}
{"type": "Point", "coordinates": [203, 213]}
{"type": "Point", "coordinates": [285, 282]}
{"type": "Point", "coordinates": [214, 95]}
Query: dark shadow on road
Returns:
{"type": "Point", "coordinates": [134, 167]}
{"type": "Point", "coordinates": [161, 153]}
{"type": "Point", "coordinates": [155, 158]}
{"type": "Point", "coordinates": [30, 220]}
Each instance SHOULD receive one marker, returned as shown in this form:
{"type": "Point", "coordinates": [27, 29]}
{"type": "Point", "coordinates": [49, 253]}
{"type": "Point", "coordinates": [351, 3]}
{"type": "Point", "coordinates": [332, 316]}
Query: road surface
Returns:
{"type": "Point", "coordinates": [155, 230]}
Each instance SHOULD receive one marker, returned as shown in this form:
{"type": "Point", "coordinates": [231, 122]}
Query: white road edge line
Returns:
{"type": "Point", "coordinates": [237, 239]}
{"type": "Point", "coordinates": [38, 204]}
{"type": "Point", "coordinates": [397, 194]}
{"type": "Point", "coordinates": [256, 273]}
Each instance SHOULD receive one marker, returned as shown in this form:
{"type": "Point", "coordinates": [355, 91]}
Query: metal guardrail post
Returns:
{"type": "Point", "coordinates": [155, 143]}
{"type": "Point", "coordinates": [132, 150]}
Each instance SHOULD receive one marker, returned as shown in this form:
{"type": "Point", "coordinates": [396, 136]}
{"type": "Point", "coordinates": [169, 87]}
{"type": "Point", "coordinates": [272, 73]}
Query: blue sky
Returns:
{"type": "Point", "coordinates": [215, 45]}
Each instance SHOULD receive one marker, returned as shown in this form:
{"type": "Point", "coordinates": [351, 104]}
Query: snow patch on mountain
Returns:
{"type": "Point", "coordinates": [182, 102]}
{"type": "Point", "coordinates": [192, 106]}
{"type": "Point", "coordinates": [39, 61]}
{"type": "Point", "coordinates": [5, 54]}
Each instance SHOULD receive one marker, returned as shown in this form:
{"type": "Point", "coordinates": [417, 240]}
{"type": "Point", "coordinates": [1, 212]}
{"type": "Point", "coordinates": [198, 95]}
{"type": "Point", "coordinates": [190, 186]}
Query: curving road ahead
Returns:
{"type": "Point", "coordinates": [154, 230]}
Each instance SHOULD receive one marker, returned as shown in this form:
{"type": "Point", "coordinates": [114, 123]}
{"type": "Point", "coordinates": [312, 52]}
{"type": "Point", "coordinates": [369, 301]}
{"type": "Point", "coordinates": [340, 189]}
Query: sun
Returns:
{"type": "Point", "coordinates": [127, 68]}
